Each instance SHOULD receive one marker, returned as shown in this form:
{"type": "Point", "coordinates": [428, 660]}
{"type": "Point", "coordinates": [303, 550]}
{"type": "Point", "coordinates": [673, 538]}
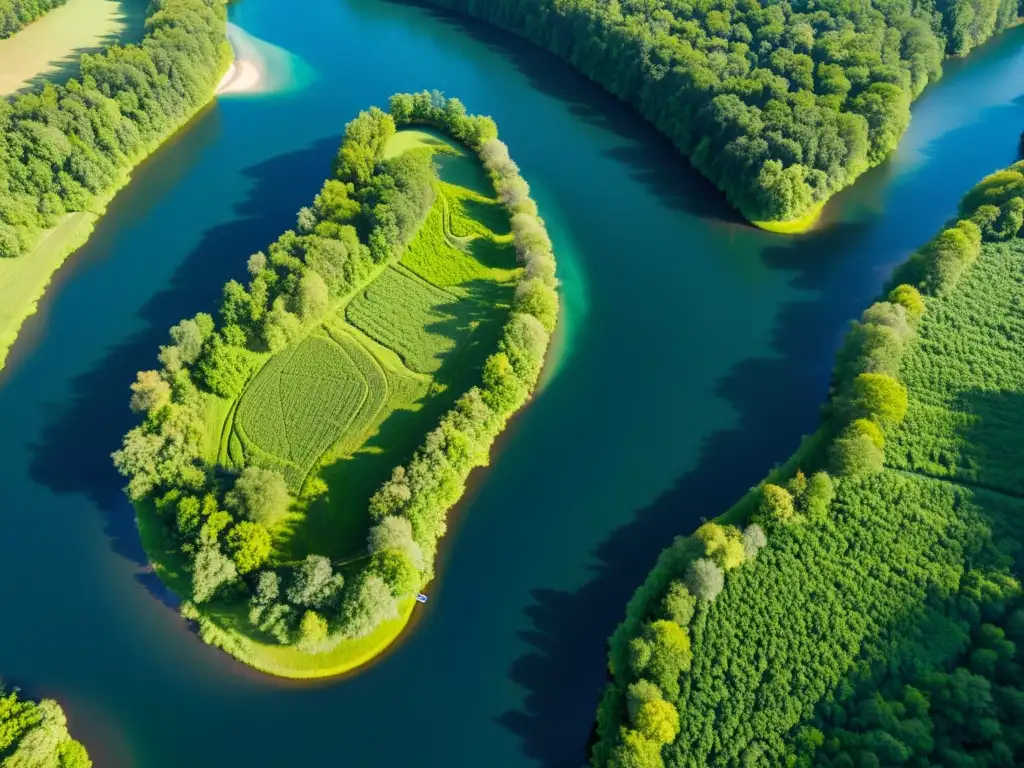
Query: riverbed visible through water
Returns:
{"type": "Point", "coordinates": [695, 352]}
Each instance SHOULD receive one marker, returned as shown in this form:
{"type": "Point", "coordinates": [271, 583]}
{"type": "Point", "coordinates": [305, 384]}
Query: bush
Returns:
{"type": "Point", "coordinates": [723, 544]}
{"type": "Point", "coordinates": [910, 299]}
{"type": "Point", "coordinates": [855, 453]}
{"type": "Point", "coordinates": [754, 540]}
{"type": "Point", "coordinates": [249, 545]}
{"type": "Point", "coordinates": [819, 496]}
{"type": "Point", "coordinates": [312, 631]}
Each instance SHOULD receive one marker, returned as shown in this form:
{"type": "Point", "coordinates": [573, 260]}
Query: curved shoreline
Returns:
{"type": "Point", "coordinates": [246, 71]}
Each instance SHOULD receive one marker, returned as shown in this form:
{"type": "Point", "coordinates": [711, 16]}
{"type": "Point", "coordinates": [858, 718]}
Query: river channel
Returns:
{"type": "Point", "coordinates": [695, 352]}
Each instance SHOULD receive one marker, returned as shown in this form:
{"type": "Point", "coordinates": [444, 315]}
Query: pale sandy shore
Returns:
{"type": "Point", "coordinates": [246, 72]}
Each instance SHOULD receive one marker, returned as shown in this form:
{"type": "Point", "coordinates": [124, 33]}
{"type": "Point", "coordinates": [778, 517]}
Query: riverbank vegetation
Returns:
{"type": "Point", "coordinates": [300, 451]}
{"type": "Point", "coordinates": [779, 104]}
{"type": "Point", "coordinates": [868, 612]}
{"type": "Point", "coordinates": [15, 14]}
{"type": "Point", "coordinates": [67, 148]}
{"type": "Point", "coordinates": [36, 735]}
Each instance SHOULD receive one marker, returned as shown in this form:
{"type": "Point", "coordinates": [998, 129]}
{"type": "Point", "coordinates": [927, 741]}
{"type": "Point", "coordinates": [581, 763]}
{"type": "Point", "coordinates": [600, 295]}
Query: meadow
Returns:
{"type": "Point", "coordinates": [314, 436]}
{"type": "Point", "coordinates": [866, 610]}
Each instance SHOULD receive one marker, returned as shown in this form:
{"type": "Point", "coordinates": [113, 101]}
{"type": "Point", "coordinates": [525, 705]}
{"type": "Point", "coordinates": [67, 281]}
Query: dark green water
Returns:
{"type": "Point", "coordinates": [697, 351]}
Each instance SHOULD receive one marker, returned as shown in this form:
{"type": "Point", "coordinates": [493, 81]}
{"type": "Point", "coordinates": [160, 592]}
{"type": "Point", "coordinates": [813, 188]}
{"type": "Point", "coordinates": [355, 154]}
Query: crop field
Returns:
{"type": "Point", "coordinates": [303, 401]}
{"type": "Point", "coordinates": [964, 378]}
{"type": "Point", "coordinates": [419, 321]}
{"type": "Point", "coordinates": [336, 411]}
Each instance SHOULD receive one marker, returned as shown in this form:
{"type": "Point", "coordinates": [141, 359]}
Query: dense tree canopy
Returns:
{"type": "Point", "coordinates": [64, 146]}
{"type": "Point", "coordinates": [780, 104]}
{"type": "Point", "coordinates": [880, 622]}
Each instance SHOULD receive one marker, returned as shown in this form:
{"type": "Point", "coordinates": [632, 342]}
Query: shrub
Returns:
{"type": "Point", "coordinates": [312, 631]}
{"type": "Point", "coordinates": [534, 297]}
{"type": "Point", "coordinates": [754, 540]}
{"type": "Point", "coordinates": [658, 721]}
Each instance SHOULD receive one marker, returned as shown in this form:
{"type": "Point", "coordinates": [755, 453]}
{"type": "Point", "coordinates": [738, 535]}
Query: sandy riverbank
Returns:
{"type": "Point", "coordinates": [246, 72]}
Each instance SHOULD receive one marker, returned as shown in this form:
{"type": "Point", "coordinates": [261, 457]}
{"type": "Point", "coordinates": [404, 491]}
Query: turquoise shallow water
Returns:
{"type": "Point", "coordinates": [695, 352]}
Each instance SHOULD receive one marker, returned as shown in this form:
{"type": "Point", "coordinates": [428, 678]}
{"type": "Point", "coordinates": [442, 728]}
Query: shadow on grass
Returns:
{"type": "Point", "coordinates": [131, 17]}
{"type": "Point", "coordinates": [90, 424]}
{"type": "Point", "coordinates": [337, 522]}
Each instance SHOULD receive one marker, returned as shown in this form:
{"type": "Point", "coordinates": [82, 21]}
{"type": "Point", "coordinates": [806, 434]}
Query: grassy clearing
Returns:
{"type": "Point", "coordinates": [50, 47]}
{"type": "Point", "coordinates": [24, 280]}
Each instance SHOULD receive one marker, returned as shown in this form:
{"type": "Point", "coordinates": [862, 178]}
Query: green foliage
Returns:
{"type": "Point", "coordinates": [878, 397]}
{"type": "Point", "coordinates": [776, 504]}
{"type": "Point", "coordinates": [325, 391]}
{"type": "Point", "coordinates": [779, 104]}
{"type": "Point", "coordinates": [249, 545]}
{"type": "Point", "coordinates": [260, 495]}
{"type": "Point", "coordinates": [856, 450]}
{"type": "Point", "coordinates": [910, 299]}
{"type": "Point", "coordinates": [678, 604]}
{"type": "Point", "coordinates": [723, 544]}
{"type": "Point", "coordinates": [396, 570]}
{"type": "Point", "coordinates": [15, 14]}
{"type": "Point", "coordinates": [36, 735]}
{"type": "Point", "coordinates": [150, 392]}
{"type": "Point", "coordinates": [705, 579]}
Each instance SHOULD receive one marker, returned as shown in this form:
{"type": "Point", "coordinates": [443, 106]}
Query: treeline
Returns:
{"type": "Point", "coordinates": [361, 220]}
{"type": "Point", "coordinates": [779, 104]}
{"type": "Point", "coordinates": [36, 735]}
{"type": "Point", "coordinates": [65, 146]}
{"type": "Point", "coordinates": [15, 14]}
{"type": "Point", "coordinates": [720, 656]}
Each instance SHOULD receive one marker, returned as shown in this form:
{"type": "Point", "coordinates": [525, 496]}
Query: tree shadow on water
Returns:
{"type": "Point", "coordinates": [647, 155]}
{"type": "Point", "coordinates": [90, 423]}
{"type": "Point", "coordinates": [777, 401]}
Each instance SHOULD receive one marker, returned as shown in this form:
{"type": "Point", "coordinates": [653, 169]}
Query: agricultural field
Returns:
{"type": "Point", "coordinates": [338, 409]}
{"type": "Point", "coordinates": [964, 376]}
{"type": "Point", "coordinates": [50, 47]}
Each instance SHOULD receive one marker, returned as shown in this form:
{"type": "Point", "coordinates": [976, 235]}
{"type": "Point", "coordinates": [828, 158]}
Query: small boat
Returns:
{"type": "Point", "coordinates": [421, 598]}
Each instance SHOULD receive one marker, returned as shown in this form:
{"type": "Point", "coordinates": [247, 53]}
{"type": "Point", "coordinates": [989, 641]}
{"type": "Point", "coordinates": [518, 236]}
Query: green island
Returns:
{"type": "Point", "coordinates": [300, 452]}
{"type": "Point", "coordinates": [862, 607]}
{"type": "Point", "coordinates": [35, 735]}
{"type": "Point", "coordinates": [68, 148]}
{"type": "Point", "coordinates": [779, 104]}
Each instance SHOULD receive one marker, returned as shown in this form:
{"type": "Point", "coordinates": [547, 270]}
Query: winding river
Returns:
{"type": "Point", "coordinates": [695, 352]}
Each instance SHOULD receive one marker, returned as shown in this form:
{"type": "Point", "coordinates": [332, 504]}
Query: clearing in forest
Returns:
{"type": "Point", "coordinates": [337, 410]}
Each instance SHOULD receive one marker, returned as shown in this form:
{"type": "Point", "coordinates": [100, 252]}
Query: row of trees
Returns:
{"type": "Point", "coordinates": [64, 146]}
{"type": "Point", "coordinates": [36, 735]}
{"type": "Point", "coordinates": [779, 104]}
{"type": "Point", "coordinates": [919, 530]}
{"type": "Point", "coordinates": [224, 522]}
{"type": "Point", "coordinates": [15, 14]}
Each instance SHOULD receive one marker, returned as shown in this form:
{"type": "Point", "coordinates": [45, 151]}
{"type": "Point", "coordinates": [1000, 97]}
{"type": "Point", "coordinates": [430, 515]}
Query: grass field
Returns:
{"type": "Point", "coordinates": [339, 408]}
{"type": "Point", "coordinates": [23, 280]}
{"type": "Point", "coordinates": [49, 48]}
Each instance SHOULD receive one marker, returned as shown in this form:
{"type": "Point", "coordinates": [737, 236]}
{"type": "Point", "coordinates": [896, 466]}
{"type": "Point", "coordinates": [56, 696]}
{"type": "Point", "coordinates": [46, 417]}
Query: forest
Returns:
{"type": "Point", "coordinates": [15, 14]}
{"type": "Point", "coordinates": [779, 104]}
{"type": "Point", "coordinates": [897, 532]}
{"type": "Point", "coordinates": [64, 147]}
{"type": "Point", "coordinates": [35, 735]}
{"type": "Point", "coordinates": [388, 314]}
